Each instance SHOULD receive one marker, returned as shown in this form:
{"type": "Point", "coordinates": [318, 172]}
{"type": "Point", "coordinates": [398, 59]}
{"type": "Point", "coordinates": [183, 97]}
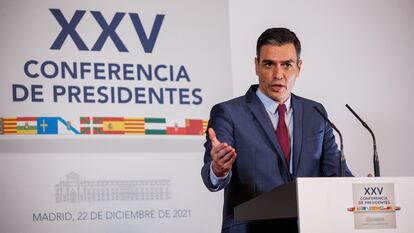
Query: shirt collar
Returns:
{"type": "Point", "coordinates": [270, 104]}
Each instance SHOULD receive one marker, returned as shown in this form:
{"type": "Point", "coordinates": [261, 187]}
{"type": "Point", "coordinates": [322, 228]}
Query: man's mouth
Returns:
{"type": "Point", "coordinates": [277, 87]}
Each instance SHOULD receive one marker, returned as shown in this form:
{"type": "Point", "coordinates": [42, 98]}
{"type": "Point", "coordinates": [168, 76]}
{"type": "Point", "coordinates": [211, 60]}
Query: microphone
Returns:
{"type": "Point", "coordinates": [376, 160]}
{"type": "Point", "coordinates": [342, 158]}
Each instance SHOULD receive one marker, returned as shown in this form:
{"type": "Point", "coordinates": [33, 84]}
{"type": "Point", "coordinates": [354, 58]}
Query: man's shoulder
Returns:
{"type": "Point", "coordinates": [231, 104]}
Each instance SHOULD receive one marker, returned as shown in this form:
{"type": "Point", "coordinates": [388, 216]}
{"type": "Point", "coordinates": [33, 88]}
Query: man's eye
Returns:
{"type": "Point", "coordinates": [268, 64]}
{"type": "Point", "coordinates": [287, 65]}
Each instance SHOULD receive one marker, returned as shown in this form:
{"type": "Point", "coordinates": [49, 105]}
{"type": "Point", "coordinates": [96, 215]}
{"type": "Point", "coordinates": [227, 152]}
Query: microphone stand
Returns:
{"type": "Point", "coordinates": [375, 159]}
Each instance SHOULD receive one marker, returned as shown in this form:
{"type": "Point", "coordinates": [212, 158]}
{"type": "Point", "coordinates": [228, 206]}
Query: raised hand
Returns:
{"type": "Point", "coordinates": [222, 154]}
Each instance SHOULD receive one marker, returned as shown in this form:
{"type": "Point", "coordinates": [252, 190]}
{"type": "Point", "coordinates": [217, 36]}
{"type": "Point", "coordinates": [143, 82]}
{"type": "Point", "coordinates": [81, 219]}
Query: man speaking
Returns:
{"type": "Point", "coordinates": [267, 137]}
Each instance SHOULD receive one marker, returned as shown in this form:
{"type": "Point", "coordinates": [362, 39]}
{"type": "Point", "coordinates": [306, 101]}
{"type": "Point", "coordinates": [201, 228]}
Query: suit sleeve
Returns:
{"type": "Point", "coordinates": [221, 122]}
{"type": "Point", "coordinates": [331, 153]}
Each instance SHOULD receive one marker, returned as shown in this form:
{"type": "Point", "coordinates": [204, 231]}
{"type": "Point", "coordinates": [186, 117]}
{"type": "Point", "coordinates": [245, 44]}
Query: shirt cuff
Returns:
{"type": "Point", "coordinates": [214, 179]}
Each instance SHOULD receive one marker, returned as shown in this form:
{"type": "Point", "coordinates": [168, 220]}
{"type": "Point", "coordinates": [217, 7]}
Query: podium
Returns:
{"type": "Point", "coordinates": [341, 205]}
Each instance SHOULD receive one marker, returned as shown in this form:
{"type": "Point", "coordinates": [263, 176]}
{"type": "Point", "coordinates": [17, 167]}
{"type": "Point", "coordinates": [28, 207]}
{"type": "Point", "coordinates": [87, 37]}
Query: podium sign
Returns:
{"type": "Point", "coordinates": [346, 205]}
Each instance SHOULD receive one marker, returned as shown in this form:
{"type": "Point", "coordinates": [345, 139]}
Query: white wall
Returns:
{"type": "Point", "coordinates": [354, 52]}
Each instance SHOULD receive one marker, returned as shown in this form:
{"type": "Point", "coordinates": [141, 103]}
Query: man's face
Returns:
{"type": "Point", "coordinates": [277, 69]}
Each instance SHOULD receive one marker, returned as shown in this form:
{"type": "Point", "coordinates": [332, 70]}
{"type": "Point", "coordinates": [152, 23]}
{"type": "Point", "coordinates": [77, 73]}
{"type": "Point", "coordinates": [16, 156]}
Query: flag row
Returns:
{"type": "Point", "coordinates": [102, 125]}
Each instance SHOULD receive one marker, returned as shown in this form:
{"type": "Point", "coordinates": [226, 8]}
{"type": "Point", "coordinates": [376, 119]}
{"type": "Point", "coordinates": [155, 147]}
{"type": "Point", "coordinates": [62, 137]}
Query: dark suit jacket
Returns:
{"type": "Point", "coordinates": [244, 123]}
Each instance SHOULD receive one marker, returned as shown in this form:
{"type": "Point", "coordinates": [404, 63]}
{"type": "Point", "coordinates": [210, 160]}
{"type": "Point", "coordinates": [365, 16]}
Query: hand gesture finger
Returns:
{"type": "Point", "coordinates": [213, 137]}
{"type": "Point", "coordinates": [222, 154]}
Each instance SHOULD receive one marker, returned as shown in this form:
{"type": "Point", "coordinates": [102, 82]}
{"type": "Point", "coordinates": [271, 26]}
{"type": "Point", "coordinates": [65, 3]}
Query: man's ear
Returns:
{"type": "Point", "coordinates": [256, 64]}
{"type": "Point", "coordinates": [299, 65]}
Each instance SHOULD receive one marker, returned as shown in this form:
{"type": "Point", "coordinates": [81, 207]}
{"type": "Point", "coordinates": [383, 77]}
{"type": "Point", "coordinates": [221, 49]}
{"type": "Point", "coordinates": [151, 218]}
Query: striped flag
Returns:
{"type": "Point", "coordinates": [134, 126]}
{"type": "Point", "coordinates": [26, 125]}
{"type": "Point", "coordinates": [67, 126]}
{"type": "Point", "coordinates": [155, 126]}
{"type": "Point", "coordinates": [205, 124]}
{"type": "Point", "coordinates": [108, 125]}
{"type": "Point", "coordinates": [9, 125]}
{"type": "Point", "coordinates": [85, 125]}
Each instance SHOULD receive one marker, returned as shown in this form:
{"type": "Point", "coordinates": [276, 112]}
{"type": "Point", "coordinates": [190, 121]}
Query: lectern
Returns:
{"type": "Point", "coordinates": [341, 205]}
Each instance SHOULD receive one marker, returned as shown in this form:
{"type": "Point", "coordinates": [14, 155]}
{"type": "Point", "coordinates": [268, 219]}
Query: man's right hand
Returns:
{"type": "Point", "coordinates": [222, 154]}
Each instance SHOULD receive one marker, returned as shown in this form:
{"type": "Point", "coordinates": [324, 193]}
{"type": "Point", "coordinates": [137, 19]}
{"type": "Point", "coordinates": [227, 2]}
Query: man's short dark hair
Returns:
{"type": "Point", "coordinates": [278, 37]}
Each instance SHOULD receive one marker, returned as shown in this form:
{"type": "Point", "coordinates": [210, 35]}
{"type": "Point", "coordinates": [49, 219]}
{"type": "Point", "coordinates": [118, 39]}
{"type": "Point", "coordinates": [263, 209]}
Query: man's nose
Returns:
{"type": "Point", "coordinates": [277, 72]}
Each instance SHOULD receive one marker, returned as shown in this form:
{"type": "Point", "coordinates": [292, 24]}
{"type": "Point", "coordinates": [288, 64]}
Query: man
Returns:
{"type": "Point", "coordinates": [267, 137]}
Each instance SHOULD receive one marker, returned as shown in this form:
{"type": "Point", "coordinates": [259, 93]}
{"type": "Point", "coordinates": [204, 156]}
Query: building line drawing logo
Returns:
{"type": "Point", "coordinates": [73, 190]}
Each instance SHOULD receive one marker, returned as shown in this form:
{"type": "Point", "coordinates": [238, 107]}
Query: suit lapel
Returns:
{"type": "Point", "coordinates": [298, 125]}
{"type": "Point", "coordinates": [259, 112]}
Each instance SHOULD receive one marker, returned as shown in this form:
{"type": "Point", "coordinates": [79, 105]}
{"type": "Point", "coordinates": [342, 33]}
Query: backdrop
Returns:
{"type": "Point", "coordinates": [103, 109]}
